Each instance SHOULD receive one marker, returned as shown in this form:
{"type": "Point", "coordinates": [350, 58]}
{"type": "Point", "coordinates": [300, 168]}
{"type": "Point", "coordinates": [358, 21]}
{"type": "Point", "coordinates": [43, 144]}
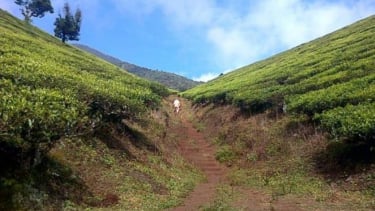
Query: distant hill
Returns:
{"type": "Point", "coordinates": [170, 80]}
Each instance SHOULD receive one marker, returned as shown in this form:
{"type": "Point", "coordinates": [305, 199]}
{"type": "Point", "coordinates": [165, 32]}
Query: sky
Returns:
{"type": "Point", "coordinates": [201, 39]}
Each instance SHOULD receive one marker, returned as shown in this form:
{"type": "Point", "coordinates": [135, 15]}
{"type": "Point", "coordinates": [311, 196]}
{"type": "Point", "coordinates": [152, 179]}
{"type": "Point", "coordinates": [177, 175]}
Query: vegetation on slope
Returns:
{"type": "Point", "coordinates": [271, 139]}
{"type": "Point", "coordinates": [327, 79]}
{"type": "Point", "coordinates": [75, 131]}
{"type": "Point", "coordinates": [47, 85]}
{"type": "Point", "coordinates": [170, 80]}
{"type": "Point", "coordinates": [285, 163]}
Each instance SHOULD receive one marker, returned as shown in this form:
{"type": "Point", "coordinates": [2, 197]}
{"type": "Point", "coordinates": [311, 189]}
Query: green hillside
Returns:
{"type": "Point", "coordinates": [76, 131]}
{"type": "Point", "coordinates": [50, 89]}
{"type": "Point", "coordinates": [79, 133]}
{"type": "Point", "coordinates": [330, 80]}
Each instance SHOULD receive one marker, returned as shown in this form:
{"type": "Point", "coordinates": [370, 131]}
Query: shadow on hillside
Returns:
{"type": "Point", "coordinates": [118, 138]}
{"type": "Point", "coordinates": [344, 158]}
{"type": "Point", "coordinates": [139, 140]}
{"type": "Point", "coordinates": [51, 183]}
{"type": "Point", "coordinates": [114, 141]}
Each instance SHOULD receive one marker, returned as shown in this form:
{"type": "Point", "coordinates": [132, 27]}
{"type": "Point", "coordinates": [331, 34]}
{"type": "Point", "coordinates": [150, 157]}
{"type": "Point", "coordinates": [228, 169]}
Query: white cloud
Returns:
{"type": "Point", "coordinates": [292, 22]}
{"type": "Point", "coordinates": [211, 75]}
{"type": "Point", "coordinates": [206, 77]}
{"type": "Point", "coordinates": [231, 46]}
{"type": "Point", "coordinates": [238, 34]}
{"type": "Point", "coordinates": [272, 26]}
{"type": "Point", "coordinates": [233, 32]}
{"type": "Point", "coordinates": [189, 13]}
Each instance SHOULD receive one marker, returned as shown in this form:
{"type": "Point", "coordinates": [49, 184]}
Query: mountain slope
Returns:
{"type": "Point", "coordinates": [79, 133]}
{"type": "Point", "coordinates": [170, 80]}
{"type": "Point", "coordinates": [330, 79]}
{"type": "Point", "coordinates": [299, 125]}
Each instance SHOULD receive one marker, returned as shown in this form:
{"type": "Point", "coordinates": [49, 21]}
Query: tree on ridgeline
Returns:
{"type": "Point", "coordinates": [34, 8]}
{"type": "Point", "coordinates": [68, 26]}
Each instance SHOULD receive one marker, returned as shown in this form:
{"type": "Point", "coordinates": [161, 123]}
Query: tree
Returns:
{"type": "Point", "coordinates": [67, 26]}
{"type": "Point", "coordinates": [34, 8]}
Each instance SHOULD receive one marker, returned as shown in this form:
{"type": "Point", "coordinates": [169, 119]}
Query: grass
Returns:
{"type": "Point", "coordinates": [287, 158]}
{"type": "Point", "coordinates": [116, 183]}
{"type": "Point", "coordinates": [223, 200]}
{"type": "Point", "coordinates": [225, 154]}
{"type": "Point", "coordinates": [281, 182]}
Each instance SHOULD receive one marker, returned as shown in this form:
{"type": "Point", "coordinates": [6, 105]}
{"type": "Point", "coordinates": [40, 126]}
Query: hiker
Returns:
{"type": "Point", "coordinates": [176, 105]}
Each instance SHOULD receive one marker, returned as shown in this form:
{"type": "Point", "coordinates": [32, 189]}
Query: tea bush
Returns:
{"type": "Point", "coordinates": [50, 90]}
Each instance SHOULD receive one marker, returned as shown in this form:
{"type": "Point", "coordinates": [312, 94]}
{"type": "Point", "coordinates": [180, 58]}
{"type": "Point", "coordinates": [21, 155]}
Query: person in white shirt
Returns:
{"type": "Point", "coordinates": [176, 105]}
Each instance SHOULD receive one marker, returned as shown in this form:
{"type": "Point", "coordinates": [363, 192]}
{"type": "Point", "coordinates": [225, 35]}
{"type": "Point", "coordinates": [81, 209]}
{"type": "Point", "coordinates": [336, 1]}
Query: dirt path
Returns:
{"type": "Point", "coordinates": [217, 192]}
{"type": "Point", "coordinates": [194, 148]}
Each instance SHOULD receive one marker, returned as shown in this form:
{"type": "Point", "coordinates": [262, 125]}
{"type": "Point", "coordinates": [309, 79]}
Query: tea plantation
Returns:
{"type": "Point", "coordinates": [50, 90]}
{"type": "Point", "coordinates": [330, 80]}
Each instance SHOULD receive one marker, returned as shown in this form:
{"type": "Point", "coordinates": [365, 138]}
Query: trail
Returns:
{"type": "Point", "coordinates": [195, 149]}
{"type": "Point", "coordinates": [193, 145]}
{"type": "Point", "coordinates": [200, 152]}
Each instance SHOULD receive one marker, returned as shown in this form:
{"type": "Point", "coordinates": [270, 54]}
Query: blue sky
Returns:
{"type": "Point", "coordinates": [200, 39]}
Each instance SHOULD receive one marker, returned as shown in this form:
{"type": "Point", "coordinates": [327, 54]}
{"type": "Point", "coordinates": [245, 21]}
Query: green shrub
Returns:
{"type": "Point", "coordinates": [34, 119]}
{"type": "Point", "coordinates": [351, 121]}
{"type": "Point", "coordinates": [225, 154]}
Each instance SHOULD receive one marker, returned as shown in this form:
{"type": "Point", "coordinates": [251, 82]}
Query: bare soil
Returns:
{"type": "Point", "coordinates": [199, 152]}
{"type": "Point", "coordinates": [195, 147]}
